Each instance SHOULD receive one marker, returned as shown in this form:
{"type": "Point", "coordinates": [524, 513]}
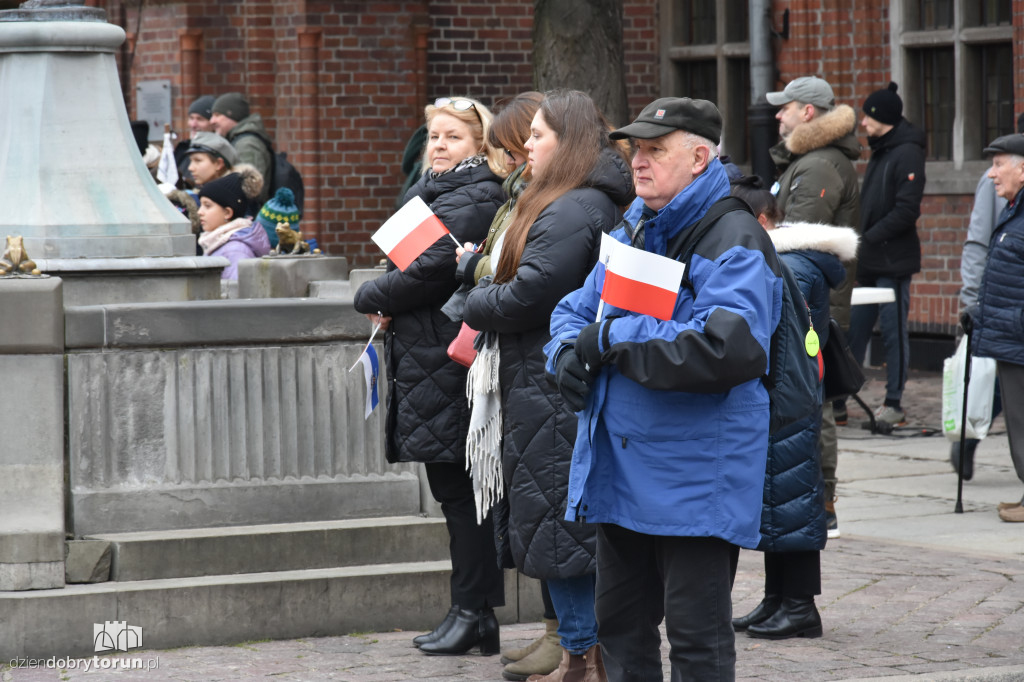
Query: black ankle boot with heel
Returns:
{"type": "Point", "coordinates": [470, 628]}
{"type": "Point", "coordinates": [762, 612]}
{"type": "Point", "coordinates": [796, 617]}
{"type": "Point", "coordinates": [439, 631]}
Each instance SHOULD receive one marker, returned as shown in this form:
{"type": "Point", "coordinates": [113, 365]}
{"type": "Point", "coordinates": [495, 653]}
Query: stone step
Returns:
{"type": "Point", "coordinates": [219, 610]}
{"type": "Point", "coordinates": [157, 555]}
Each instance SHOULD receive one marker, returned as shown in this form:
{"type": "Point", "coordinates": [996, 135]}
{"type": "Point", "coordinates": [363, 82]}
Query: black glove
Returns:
{"type": "Point", "coordinates": [573, 380]}
{"type": "Point", "coordinates": [588, 349]}
{"type": "Point", "coordinates": [967, 319]}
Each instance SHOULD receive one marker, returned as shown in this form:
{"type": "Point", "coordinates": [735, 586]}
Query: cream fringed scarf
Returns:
{"type": "Point", "coordinates": [483, 442]}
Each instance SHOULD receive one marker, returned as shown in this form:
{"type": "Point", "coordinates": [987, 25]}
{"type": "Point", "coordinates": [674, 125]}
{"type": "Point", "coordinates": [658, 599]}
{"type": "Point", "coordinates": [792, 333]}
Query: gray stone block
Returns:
{"type": "Point", "coordinates": [212, 323]}
{"type": "Point", "coordinates": [337, 288]}
{"type": "Point", "coordinates": [287, 276]}
{"type": "Point", "coordinates": [360, 276]}
{"type": "Point", "coordinates": [96, 281]}
{"type": "Point", "coordinates": [33, 313]}
{"type": "Point", "coordinates": [117, 511]}
{"type": "Point", "coordinates": [37, 575]}
{"type": "Point", "coordinates": [275, 547]}
{"type": "Point", "coordinates": [87, 561]}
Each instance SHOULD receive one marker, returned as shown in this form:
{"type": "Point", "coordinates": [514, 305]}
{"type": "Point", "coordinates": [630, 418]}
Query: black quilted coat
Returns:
{"type": "Point", "coordinates": [427, 413]}
{"type": "Point", "coordinates": [539, 430]}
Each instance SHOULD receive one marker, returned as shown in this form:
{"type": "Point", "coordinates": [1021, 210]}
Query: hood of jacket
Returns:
{"type": "Point", "coordinates": [613, 176]}
{"type": "Point", "coordinates": [255, 237]}
{"type": "Point", "coordinates": [251, 124]}
{"type": "Point", "coordinates": [835, 128]}
{"type": "Point", "coordinates": [903, 132]}
{"type": "Point", "coordinates": [823, 244]}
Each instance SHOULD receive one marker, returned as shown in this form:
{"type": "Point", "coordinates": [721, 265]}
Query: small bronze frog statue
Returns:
{"type": "Point", "coordinates": [14, 258]}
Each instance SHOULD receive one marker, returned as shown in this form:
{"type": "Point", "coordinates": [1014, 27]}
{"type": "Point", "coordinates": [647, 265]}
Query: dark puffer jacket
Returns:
{"type": "Point", "coordinates": [793, 510]}
{"type": "Point", "coordinates": [427, 415]}
{"type": "Point", "coordinates": [890, 203]}
{"type": "Point", "coordinates": [999, 318]}
{"type": "Point", "coordinates": [539, 430]}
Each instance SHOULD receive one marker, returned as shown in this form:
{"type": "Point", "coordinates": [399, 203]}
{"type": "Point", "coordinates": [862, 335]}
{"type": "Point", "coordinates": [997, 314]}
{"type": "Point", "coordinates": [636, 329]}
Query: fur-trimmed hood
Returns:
{"type": "Point", "coordinates": [828, 129]}
{"type": "Point", "coordinates": [838, 241]}
{"type": "Point", "coordinates": [824, 246]}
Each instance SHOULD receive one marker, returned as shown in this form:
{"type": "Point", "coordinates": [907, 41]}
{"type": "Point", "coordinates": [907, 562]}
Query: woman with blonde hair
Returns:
{"type": "Point", "coordinates": [427, 412]}
{"type": "Point", "coordinates": [580, 179]}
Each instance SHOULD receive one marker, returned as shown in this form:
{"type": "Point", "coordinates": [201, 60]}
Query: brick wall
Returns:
{"type": "Point", "coordinates": [847, 43]}
{"type": "Point", "coordinates": [341, 86]}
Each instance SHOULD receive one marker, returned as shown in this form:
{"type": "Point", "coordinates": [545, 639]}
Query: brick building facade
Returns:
{"type": "Point", "coordinates": [341, 85]}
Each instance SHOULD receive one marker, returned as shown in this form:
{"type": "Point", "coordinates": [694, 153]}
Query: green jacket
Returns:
{"type": "Point", "coordinates": [250, 139]}
{"type": "Point", "coordinates": [818, 183]}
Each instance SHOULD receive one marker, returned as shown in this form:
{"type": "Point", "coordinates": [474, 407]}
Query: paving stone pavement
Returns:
{"type": "Point", "coordinates": [911, 591]}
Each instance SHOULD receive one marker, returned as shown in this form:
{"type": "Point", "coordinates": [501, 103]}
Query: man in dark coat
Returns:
{"type": "Point", "coordinates": [997, 322]}
{"type": "Point", "coordinates": [890, 251]}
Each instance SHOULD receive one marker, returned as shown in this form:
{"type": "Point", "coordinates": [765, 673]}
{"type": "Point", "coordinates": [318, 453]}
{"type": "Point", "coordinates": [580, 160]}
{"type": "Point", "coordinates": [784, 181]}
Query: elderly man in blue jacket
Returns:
{"type": "Point", "coordinates": [673, 424]}
{"type": "Point", "coordinates": [997, 320]}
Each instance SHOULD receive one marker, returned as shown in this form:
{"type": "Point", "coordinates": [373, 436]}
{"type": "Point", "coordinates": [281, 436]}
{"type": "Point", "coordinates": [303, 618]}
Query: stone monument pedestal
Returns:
{"type": "Point", "coordinates": [32, 434]}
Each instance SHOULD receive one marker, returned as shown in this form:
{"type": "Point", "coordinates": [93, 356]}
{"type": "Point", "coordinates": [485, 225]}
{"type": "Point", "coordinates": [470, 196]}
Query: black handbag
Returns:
{"type": "Point", "coordinates": [843, 374]}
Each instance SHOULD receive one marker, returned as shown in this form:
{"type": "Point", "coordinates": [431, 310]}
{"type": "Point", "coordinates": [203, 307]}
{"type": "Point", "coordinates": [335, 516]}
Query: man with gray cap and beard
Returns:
{"type": "Point", "coordinates": [818, 184]}
{"type": "Point", "coordinates": [673, 416]}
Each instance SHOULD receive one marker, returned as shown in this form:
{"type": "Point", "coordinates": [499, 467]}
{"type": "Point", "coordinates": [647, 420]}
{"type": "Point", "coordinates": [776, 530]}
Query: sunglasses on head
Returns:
{"type": "Point", "coordinates": [456, 104]}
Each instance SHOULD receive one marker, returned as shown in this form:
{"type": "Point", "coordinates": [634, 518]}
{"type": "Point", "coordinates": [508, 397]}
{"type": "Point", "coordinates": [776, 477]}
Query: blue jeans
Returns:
{"type": "Point", "coordinates": [574, 605]}
{"type": "Point", "coordinates": [892, 321]}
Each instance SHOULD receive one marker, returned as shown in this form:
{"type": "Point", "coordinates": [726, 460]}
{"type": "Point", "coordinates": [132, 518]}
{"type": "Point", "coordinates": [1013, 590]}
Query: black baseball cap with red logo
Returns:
{"type": "Point", "coordinates": [662, 116]}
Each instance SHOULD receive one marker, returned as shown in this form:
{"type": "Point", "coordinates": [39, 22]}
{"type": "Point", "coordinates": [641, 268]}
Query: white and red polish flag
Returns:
{"type": "Point", "coordinates": [409, 232]}
{"type": "Point", "coordinates": [642, 282]}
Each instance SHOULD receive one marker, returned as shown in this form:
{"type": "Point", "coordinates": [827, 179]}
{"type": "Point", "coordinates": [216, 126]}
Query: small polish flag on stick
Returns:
{"type": "Point", "coordinates": [410, 232]}
{"type": "Point", "coordinates": [642, 282]}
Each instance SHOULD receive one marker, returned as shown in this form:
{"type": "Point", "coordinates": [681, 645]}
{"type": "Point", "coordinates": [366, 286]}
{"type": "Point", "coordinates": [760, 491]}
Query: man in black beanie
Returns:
{"type": "Point", "coordinates": [245, 131]}
{"type": "Point", "coordinates": [890, 251]}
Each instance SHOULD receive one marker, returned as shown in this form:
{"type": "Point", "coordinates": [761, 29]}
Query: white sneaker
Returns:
{"type": "Point", "coordinates": [891, 415]}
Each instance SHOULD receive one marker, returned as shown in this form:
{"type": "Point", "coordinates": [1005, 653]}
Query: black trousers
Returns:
{"type": "Point", "coordinates": [476, 582]}
{"type": "Point", "coordinates": [642, 579]}
{"type": "Point", "coordinates": [792, 574]}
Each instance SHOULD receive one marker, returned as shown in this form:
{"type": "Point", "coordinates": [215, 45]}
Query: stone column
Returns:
{"type": "Point", "coordinates": [32, 428]}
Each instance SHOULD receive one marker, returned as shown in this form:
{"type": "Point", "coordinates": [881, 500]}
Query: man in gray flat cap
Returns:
{"type": "Point", "coordinates": [996, 321]}
{"type": "Point", "coordinates": [674, 497]}
{"type": "Point", "coordinates": [818, 184]}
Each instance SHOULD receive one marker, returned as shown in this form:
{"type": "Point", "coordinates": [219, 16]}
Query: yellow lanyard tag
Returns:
{"type": "Point", "coordinates": [811, 343]}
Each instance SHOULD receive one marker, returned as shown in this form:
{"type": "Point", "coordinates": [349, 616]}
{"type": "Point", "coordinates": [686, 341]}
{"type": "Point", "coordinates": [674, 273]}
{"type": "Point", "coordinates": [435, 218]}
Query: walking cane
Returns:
{"type": "Point", "coordinates": [968, 328]}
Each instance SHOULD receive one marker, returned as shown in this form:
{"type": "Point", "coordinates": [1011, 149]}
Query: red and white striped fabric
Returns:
{"type": "Point", "coordinates": [409, 232]}
{"type": "Point", "coordinates": [642, 282]}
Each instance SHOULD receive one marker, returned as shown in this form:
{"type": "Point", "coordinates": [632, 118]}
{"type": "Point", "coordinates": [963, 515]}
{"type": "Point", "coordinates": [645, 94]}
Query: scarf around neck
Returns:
{"type": "Point", "coordinates": [211, 241]}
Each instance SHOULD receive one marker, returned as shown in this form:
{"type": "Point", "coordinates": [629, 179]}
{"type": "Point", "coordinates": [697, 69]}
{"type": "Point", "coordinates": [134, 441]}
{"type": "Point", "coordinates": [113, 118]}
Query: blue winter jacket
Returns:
{"type": "Point", "coordinates": [675, 433]}
{"type": "Point", "coordinates": [999, 321]}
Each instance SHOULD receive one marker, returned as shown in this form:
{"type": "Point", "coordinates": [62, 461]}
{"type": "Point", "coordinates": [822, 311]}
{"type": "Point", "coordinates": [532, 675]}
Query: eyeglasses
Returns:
{"type": "Point", "coordinates": [457, 104]}
{"type": "Point", "coordinates": [509, 154]}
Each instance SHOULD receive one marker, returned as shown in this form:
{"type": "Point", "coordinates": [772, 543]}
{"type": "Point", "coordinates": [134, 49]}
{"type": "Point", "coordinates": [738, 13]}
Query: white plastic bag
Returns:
{"type": "Point", "coordinates": [979, 397]}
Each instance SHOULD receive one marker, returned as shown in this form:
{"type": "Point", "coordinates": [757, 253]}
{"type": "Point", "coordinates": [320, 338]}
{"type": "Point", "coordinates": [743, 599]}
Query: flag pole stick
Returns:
{"type": "Point", "coordinates": [455, 240]}
{"type": "Point", "coordinates": [372, 334]}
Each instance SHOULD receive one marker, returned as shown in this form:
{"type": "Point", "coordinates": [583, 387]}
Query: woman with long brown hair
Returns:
{"type": "Point", "coordinates": [580, 179]}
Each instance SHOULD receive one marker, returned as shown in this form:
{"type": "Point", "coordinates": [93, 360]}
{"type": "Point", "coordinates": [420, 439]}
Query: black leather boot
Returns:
{"type": "Point", "coordinates": [439, 630]}
{"type": "Point", "coordinates": [472, 627]}
{"type": "Point", "coordinates": [763, 611]}
{"type": "Point", "coordinates": [796, 617]}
